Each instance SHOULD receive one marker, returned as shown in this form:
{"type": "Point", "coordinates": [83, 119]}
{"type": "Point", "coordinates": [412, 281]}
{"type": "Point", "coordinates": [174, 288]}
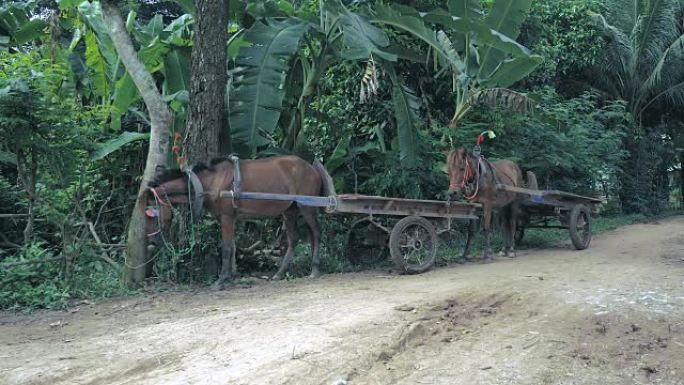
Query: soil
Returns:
{"type": "Point", "coordinates": [611, 314]}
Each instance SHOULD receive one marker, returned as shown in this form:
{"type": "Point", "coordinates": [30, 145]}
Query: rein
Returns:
{"type": "Point", "coordinates": [158, 200]}
{"type": "Point", "coordinates": [193, 182]}
{"type": "Point", "coordinates": [469, 174]}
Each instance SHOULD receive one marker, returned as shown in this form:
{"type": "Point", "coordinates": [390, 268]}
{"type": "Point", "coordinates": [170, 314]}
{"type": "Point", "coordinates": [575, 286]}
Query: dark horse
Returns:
{"type": "Point", "coordinates": [278, 175]}
{"type": "Point", "coordinates": [477, 178]}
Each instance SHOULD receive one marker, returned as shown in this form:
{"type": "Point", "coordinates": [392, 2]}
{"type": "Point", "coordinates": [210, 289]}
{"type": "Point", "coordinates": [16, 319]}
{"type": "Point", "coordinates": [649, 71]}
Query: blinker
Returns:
{"type": "Point", "coordinates": [152, 212]}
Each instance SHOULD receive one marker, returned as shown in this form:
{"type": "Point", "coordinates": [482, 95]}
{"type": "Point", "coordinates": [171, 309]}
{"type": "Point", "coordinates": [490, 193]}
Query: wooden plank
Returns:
{"type": "Point", "coordinates": [519, 190]}
{"type": "Point", "coordinates": [306, 200]}
{"type": "Point", "coordinates": [370, 205]}
{"type": "Point", "coordinates": [351, 197]}
{"type": "Point", "coordinates": [571, 196]}
{"type": "Point", "coordinates": [537, 194]}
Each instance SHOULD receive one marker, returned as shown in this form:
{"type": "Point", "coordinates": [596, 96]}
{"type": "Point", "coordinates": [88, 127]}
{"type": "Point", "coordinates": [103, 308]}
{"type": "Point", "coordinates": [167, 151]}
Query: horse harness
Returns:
{"type": "Point", "coordinates": [482, 164]}
{"type": "Point", "coordinates": [237, 180]}
{"type": "Point", "coordinates": [196, 183]}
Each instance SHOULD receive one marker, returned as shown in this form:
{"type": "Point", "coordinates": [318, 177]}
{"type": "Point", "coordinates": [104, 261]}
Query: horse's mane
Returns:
{"type": "Point", "coordinates": [175, 173]}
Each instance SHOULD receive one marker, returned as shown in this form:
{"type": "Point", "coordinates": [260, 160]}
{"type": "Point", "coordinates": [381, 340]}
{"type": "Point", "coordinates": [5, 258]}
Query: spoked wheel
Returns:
{"type": "Point", "coordinates": [413, 245]}
{"type": "Point", "coordinates": [365, 241]}
{"type": "Point", "coordinates": [580, 227]}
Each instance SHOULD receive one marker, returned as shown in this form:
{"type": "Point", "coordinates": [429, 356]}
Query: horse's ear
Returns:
{"type": "Point", "coordinates": [159, 170]}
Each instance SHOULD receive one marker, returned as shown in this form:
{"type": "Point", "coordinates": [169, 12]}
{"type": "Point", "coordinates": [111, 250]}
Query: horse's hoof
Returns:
{"type": "Point", "coordinates": [315, 274]}
{"type": "Point", "coordinates": [502, 253]}
{"type": "Point", "coordinates": [464, 259]}
{"type": "Point", "coordinates": [218, 286]}
{"type": "Point", "coordinates": [488, 259]}
{"type": "Point", "coordinates": [277, 277]}
{"type": "Point", "coordinates": [511, 254]}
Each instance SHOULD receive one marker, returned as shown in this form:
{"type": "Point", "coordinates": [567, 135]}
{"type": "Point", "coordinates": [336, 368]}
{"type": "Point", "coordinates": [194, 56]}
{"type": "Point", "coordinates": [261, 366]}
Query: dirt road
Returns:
{"type": "Point", "coordinates": [613, 314]}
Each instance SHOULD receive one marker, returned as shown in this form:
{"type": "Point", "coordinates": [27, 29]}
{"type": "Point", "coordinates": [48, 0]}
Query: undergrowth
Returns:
{"type": "Point", "coordinates": [43, 285]}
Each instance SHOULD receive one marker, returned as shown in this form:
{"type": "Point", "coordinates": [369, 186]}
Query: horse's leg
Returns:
{"type": "Point", "coordinates": [487, 217]}
{"type": "Point", "coordinates": [472, 228]}
{"type": "Point", "coordinates": [505, 214]}
{"type": "Point", "coordinates": [513, 224]}
{"type": "Point", "coordinates": [228, 266]}
{"type": "Point", "coordinates": [309, 214]}
{"type": "Point", "coordinates": [290, 218]}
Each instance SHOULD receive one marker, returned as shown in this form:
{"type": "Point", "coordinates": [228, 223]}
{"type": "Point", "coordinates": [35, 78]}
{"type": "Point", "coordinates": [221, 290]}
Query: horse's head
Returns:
{"type": "Point", "coordinates": [158, 215]}
{"type": "Point", "coordinates": [169, 188]}
{"type": "Point", "coordinates": [459, 170]}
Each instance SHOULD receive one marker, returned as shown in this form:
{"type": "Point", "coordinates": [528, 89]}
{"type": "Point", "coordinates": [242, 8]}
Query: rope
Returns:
{"type": "Point", "coordinates": [177, 254]}
{"type": "Point", "coordinates": [477, 179]}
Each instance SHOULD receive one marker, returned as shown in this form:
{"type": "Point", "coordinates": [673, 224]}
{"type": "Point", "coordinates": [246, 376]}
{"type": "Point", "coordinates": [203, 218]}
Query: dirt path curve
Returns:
{"type": "Point", "coordinates": [613, 314]}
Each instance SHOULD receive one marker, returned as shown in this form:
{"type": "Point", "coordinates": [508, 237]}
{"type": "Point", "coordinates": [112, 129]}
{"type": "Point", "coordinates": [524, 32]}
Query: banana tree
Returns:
{"type": "Point", "coordinates": [16, 26]}
{"type": "Point", "coordinates": [290, 51]}
{"type": "Point", "coordinates": [483, 60]}
{"type": "Point", "coordinates": [164, 49]}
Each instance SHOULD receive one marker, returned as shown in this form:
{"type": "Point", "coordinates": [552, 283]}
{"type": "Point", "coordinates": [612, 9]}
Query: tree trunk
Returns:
{"type": "Point", "coordinates": [138, 265]}
{"type": "Point", "coordinates": [206, 119]}
{"type": "Point", "coordinates": [206, 134]}
{"type": "Point", "coordinates": [681, 180]}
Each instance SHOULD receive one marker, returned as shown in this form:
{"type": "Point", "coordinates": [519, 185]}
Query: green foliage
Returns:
{"type": "Point", "coordinates": [125, 138]}
{"type": "Point", "coordinates": [572, 145]}
{"type": "Point", "coordinates": [31, 285]}
{"type": "Point", "coordinates": [98, 67]}
{"type": "Point", "coordinates": [645, 182]}
{"type": "Point", "coordinates": [485, 54]}
{"type": "Point", "coordinates": [297, 70]}
{"type": "Point", "coordinates": [406, 111]}
{"type": "Point", "coordinates": [566, 36]}
{"type": "Point", "coordinates": [256, 96]}
{"type": "Point", "coordinates": [34, 278]}
{"type": "Point", "coordinates": [506, 18]}
{"type": "Point", "coordinates": [16, 25]}
{"type": "Point", "coordinates": [36, 98]}
{"type": "Point", "coordinates": [643, 63]}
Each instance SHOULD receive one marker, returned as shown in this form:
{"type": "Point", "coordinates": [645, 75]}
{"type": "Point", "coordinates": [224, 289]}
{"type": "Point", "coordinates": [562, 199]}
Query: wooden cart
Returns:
{"type": "Point", "coordinates": [553, 209]}
{"type": "Point", "coordinates": [410, 230]}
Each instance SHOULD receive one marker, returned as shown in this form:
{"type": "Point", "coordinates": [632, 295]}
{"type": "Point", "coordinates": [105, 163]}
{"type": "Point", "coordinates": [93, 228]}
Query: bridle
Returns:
{"type": "Point", "coordinates": [155, 212]}
{"type": "Point", "coordinates": [196, 205]}
{"type": "Point", "coordinates": [467, 176]}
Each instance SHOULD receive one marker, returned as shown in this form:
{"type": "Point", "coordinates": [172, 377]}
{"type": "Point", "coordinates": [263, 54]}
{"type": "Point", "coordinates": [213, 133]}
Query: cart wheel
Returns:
{"type": "Point", "coordinates": [580, 226]}
{"type": "Point", "coordinates": [365, 240]}
{"type": "Point", "coordinates": [413, 245]}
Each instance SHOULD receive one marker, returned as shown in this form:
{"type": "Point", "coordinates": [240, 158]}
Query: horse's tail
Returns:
{"type": "Point", "coordinates": [328, 188]}
{"type": "Point", "coordinates": [532, 181]}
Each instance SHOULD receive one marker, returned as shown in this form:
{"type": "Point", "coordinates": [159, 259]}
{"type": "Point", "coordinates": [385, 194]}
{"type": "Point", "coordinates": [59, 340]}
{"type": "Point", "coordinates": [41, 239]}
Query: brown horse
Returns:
{"type": "Point", "coordinates": [477, 179]}
{"type": "Point", "coordinates": [278, 175]}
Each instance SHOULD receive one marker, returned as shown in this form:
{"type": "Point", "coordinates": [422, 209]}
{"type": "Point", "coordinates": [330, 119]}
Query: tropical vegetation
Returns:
{"type": "Point", "coordinates": [97, 96]}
